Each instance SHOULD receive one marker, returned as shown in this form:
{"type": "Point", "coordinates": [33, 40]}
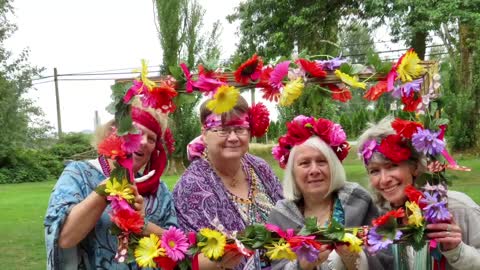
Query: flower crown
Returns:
{"type": "Point", "coordinates": [409, 136]}
{"type": "Point", "coordinates": [303, 127]}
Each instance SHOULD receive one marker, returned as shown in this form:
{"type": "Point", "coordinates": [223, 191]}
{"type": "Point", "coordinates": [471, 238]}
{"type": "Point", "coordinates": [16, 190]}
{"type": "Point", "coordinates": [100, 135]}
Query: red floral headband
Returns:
{"type": "Point", "coordinates": [301, 128]}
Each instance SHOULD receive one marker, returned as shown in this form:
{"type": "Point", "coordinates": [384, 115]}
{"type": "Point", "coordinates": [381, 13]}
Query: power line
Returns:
{"type": "Point", "coordinates": [389, 51]}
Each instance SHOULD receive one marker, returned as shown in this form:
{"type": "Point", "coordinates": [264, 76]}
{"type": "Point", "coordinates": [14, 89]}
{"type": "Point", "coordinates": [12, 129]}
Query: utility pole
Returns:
{"type": "Point", "coordinates": [59, 118]}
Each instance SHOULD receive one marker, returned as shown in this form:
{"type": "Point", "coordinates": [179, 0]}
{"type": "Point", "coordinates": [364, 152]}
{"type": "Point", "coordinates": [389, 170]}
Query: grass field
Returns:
{"type": "Point", "coordinates": [22, 208]}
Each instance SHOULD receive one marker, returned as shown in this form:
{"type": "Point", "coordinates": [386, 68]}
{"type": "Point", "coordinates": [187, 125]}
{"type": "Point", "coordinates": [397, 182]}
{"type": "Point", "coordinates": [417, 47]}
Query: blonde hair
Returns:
{"type": "Point", "coordinates": [103, 131]}
{"type": "Point", "coordinates": [377, 132]}
{"type": "Point", "coordinates": [337, 172]}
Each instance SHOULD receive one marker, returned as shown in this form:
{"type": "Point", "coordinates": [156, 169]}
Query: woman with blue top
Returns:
{"type": "Point", "coordinates": [77, 223]}
{"type": "Point", "coordinates": [315, 185]}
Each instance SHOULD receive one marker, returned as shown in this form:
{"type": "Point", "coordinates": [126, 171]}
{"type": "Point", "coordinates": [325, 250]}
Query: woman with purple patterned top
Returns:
{"type": "Point", "coordinates": [225, 186]}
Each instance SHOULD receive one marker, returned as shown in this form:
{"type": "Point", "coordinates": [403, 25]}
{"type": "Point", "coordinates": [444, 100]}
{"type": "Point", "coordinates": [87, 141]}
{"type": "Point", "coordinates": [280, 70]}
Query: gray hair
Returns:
{"type": "Point", "coordinates": [337, 172]}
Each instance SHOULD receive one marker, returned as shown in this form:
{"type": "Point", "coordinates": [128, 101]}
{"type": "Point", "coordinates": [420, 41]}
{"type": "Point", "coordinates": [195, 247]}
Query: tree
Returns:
{"type": "Point", "coordinates": [17, 161]}
{"type": "Point", "coordinates": [355, 41]}
{"type": "Point", "coordinates": [181, 38]}
{"type": "Point", "coordinates": [275, 28]}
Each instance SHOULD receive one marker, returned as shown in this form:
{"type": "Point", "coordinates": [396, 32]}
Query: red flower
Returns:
{"type": "Point", "coordinates": [297, 133]}
{"type": "Point", "coordinates": [312, 68]}
{"type": "Point", "coordinates": [399, 213]}
{"type": "Point", "coordinates": [232, 247]}
{"type": "Point", "coordinates": [394, 148]}
{"type": "Point", "coordinates": [169, 141]}
{"type": "Point", "coordinates": [165, 263]}
{"type": "Point", "coordinates": [210, 74]}
{"type": "Point", "coordinates": [411, 102]}
{"type": "Point", "coordinates": [340, 94]}
{"type": "Point", "coordinates": [269, 92]}
{"type": "Point", "coordinates": [376, 91]}
{"type": "Point", "coordinates": [414, 195]}
{"type": "Point", "coordinates": [250, 70]}
{"type": "Point", "coordinates": [322, 129]}
{"type": "Point", "coordinates": [111, 147]}
{"type": "Point", "coordinates": [128, 220]}
{"type": "Point", "coordinates": [406, 128]}
{"type": "Point", "coordinates": [160, 97]}
{"type": "Point", "coordinates": [342, 150]}
{"type": "Point", "coordinates": [298, 240]}
{"type": "Point", "coordinates": [259, 120]}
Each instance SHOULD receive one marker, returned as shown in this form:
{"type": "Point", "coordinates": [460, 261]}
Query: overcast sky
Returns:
{"type": "Point", "coordinates": [92, 35]}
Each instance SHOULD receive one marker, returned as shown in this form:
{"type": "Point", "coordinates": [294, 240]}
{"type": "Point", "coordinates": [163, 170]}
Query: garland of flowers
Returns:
{"type": "Point", "coordinates": [283, 83]}
{"type": "Point", "coordinates": [413, 82]}
{"type": "Point", "coordinates": [405, 225]}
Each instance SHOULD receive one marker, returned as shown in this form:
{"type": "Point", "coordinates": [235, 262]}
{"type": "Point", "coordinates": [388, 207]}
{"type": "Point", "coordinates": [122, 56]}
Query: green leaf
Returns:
{"type": "Point", "coordinates": [185, 265]}
{"type": "Point", "coordinates": [346, 68]}
{"type": "Point", "coordinates": [441, 121]}
{"type": "Point", "coordinates": [433, 108]}
{"type": "Point", "coordinates": [357, 68]}
{"type": "Point", "coordinates": [125, 124]}
{"type": "Point", "coordinates": [310, 226]}
{"type": "Point", "coordinates": [335, 231]}
{"type": "Point", "coordinates": [177, 73]}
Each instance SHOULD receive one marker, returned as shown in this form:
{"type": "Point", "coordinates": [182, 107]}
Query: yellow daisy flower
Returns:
{"type": "Point", "coordinates": [122, 189]}
{"type": "Point", "coordinates": [416, 217]}
{"type": "Point", "coordinates": [353, 240]}
{"type": "Point", "coordinates": [409, 67]}
{"type": "Point", "coordinates": [280, 250]}
{"type": "Point", "coordinates": [352, 81]}
{"type": "Point", "coordinates": [144, 75]}
{"type": "Point", "coordinates": [224, 99]}
{"type": "Point", "coordinates": [148, 248]}
{"type": "Point", "coordinates": [291, 92]}
{"type": "Point", "coordinates": [214, 246]}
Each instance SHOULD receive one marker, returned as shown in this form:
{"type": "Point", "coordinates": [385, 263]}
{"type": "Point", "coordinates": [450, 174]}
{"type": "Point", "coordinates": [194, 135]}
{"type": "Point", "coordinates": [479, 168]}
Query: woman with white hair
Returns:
{"type": "Point", "coordinates": [315, 186]}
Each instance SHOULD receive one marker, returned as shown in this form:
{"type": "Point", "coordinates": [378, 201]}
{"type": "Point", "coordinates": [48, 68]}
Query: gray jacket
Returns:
{"type": "Point", "coordinates": [359, 210]}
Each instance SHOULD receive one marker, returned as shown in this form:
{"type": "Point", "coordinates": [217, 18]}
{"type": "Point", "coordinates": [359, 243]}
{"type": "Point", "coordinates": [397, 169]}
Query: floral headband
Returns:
{"type": "Point", "coordinates": [303, 127]}
{"type": "Point", "coordinates": [410, 136]}
{"type": "Point", "coordinates": [257, 119]}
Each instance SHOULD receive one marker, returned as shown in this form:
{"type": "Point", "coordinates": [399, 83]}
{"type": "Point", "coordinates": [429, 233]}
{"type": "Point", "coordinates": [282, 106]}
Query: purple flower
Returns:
{"type": "Point", "coordinates": [397, 92]}
{"type": "Point", "coordinates": [367, 150]}
{"type": "Point", "coordinates": [306, 252]}
{"type": "Point", "coordinates": [378, 242]}
{"type": "Point", "coordinates": [428, 142]}
{"type": "Point", "coordinates": [436, 211]}
{"type": "Point", "coordinates": [331, 64]}
{"type": "Point", "coordinates": [411, 86]}
{"type": "Point", "coordinates": [337, 135]}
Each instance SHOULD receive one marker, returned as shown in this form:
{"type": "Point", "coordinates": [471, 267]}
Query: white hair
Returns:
{"type": "Point", "coordinates": [337, 172]}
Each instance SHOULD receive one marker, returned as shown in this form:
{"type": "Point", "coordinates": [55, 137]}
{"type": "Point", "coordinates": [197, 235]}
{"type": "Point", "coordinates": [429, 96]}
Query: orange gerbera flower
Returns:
{"type": "Point", "coordinates": [250, 70]}
{"type": "Point", "coordinates": [111, 147]}
{"type": "Point", "coordinates": [376, 91]}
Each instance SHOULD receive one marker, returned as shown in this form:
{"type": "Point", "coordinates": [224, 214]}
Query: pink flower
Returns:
{"type": "Point", "coordinates": [337, 135]}
{"type": "Point", "coordinates": [119, 204]}
{"type": "Point", "coordinates": [175, 243]}
{"type": "Point", "coordinates": [303, 120]}
{"type": "Point", "coordinates": [131, 142]}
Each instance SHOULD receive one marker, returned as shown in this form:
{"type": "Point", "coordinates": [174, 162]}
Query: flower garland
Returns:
{"type": "Point", "coordinates": [284, 82]}
{"type": "Point", "coordinates": [119, 146]}
{"type": "Point", "coordinates": [404, 225]}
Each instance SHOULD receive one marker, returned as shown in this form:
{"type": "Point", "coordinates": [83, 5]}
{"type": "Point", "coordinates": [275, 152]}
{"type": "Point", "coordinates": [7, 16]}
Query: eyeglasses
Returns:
{"type": "Point", "coordinates": [225, 131]}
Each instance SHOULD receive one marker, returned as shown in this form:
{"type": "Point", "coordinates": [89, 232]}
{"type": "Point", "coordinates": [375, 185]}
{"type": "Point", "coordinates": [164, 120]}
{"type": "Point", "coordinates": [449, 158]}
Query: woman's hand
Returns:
{"type": "Point", "coordinates": [138, 204]}
{"type": "Point", "coordinates": [348, 257]}
{"type": "Point", "coordinates": [325, 250]}
{"type": "Point", "coordinates": [230, 260]}
{"type": "Point", "coordinates": [448, 235]}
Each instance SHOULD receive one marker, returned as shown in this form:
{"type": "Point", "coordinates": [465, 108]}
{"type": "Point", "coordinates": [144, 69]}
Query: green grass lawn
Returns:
{"type": "Point", "coordinates": [22, 208]}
